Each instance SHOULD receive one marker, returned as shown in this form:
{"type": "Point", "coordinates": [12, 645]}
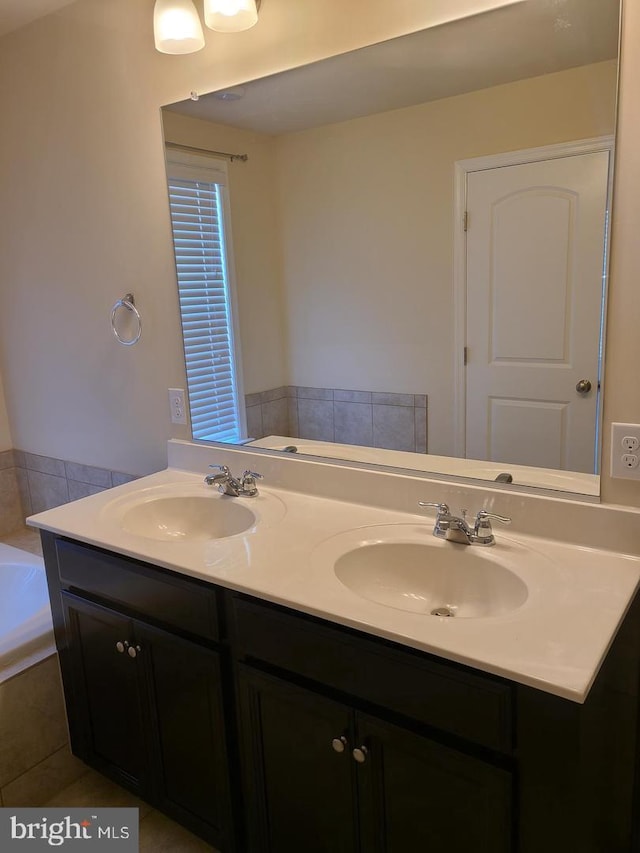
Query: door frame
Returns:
{"type": "Point", "coordinates": [462, 168]}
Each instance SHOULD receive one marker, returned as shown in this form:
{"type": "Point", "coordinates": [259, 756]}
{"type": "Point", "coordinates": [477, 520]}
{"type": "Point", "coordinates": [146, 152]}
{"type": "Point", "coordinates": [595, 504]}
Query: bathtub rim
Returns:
{"type": "Point", "coordinates": [33, 642]}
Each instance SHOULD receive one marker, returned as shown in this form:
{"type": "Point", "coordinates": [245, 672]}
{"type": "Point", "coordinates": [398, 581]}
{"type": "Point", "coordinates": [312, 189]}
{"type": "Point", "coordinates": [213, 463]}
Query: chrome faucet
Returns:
{"type": "Point", "coordinates": [227, 484]}
{"type": "Point", "coordinates": [455, 528]}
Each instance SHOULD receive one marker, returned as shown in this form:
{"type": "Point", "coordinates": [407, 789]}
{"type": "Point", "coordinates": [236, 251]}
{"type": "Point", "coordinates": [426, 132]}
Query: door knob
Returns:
{"type": "Point", "coordinates": [583, 386]}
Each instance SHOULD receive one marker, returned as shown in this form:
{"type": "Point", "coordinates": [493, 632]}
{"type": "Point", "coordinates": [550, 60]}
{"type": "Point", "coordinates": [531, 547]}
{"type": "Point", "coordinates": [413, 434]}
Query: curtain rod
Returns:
{"type": "Point", "coordinates": [231, 157]}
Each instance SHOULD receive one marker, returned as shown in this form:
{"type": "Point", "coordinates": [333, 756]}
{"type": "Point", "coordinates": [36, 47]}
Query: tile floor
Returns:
{"type": "Point", "coordinates": [158, 834]}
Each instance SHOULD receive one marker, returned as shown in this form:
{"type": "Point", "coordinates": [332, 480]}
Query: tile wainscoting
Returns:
{"type": "Point", "coordinates": [370, 418]}
{"type": "Point", "coordinates": [12, 514]}
{"type": "Point", "coordinates": [30, 483]}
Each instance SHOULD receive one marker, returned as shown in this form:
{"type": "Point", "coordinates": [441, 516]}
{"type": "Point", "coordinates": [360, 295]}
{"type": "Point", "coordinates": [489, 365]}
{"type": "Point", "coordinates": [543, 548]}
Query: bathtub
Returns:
{"type": "Point", "coordinates": [26, 630]}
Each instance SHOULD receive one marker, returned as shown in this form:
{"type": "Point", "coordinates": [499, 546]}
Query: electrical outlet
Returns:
{"type": "Point", "coordinates": [625, 444]}
{"type": "Point", "coordinates": [177, 406]}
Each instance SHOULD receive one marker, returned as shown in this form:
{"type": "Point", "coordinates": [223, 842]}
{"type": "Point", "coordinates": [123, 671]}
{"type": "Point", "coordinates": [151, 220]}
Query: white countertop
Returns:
{"type": "Point", "coordinates": [556, 641]}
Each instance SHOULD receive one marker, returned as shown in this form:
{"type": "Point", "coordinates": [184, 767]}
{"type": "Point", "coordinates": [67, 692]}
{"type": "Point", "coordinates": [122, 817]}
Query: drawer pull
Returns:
{"type": "Point", "coordinates": [120, 646]}
{"type": "Point", "coordinates": [133, 651]}
{"type": "Point", "coordinates": [360, 754]}
{"type": "Point", "coordinates": [339, 744]}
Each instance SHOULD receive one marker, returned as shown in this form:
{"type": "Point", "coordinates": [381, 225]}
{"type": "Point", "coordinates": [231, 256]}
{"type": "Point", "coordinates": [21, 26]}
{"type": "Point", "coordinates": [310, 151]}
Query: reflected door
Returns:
{"type": "Point", "coordinates": [535, 261]}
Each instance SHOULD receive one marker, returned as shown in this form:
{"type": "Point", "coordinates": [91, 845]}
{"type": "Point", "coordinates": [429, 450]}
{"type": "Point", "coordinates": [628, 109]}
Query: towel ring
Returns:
{"type": "Point", "coordinates": [129, 303]}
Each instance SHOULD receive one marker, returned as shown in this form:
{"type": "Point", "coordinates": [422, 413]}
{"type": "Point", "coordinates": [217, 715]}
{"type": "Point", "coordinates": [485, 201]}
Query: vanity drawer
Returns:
{"type": "Point", "coordinates": [446, 696]}
{"type": "Point", "coordinates": [142, 590]}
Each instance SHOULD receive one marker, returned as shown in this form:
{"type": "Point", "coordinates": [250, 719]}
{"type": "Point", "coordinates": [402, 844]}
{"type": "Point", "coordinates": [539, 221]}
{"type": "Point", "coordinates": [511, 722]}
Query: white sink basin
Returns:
{"type": "Point", "coordinates": [437, 578]}
{"type": "Point", "coordinates": [188, 512]}
{"type": "Point", "coordinates": [187, 518]}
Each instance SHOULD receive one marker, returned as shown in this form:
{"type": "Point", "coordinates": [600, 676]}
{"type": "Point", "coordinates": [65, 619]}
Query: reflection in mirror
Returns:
{"type": "Point", "coordinates": [398, 255]}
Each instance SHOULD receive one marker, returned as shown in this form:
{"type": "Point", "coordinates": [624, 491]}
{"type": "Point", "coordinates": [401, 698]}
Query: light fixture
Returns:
{"type": "Point", "coordinates": [230, 16]}
{"type": "Point", "coordinates": [176, 27]}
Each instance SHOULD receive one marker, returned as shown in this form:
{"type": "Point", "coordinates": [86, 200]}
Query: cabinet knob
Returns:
{"type": "Point", "coordinates": [360, 754]}
{"type": "Point", "coordinates": [120, 647]}
{"type": "Point", "coordinates": [339, 744]}
{"type": "Point", "coordinates": [133, 651]}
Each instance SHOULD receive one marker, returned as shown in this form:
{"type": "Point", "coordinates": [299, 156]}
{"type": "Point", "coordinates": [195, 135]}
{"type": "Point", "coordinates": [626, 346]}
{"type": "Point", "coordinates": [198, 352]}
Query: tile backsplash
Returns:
{"type": "Point", "coordinates": [30, 483]}
{"type": "Point", "coordinates": [371, 418]}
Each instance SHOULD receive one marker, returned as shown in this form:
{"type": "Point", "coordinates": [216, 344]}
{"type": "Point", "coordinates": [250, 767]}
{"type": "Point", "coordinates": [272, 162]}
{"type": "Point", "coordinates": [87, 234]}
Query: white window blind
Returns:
{"type": "Point", "coordinates": [197, 203]}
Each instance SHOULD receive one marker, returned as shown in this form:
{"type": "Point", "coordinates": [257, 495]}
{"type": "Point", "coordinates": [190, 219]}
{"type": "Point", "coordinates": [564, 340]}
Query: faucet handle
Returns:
{"type": "Point", "coordinates": [443, 509]}
{"type": "Point", "coordinates": [482, 532]}
{"type": "Point", "coordinates": [248, 483]}
{"type": "Point", "coordinates": [484, 516]}
{"type": "Point", "coordinates": [224, 468]}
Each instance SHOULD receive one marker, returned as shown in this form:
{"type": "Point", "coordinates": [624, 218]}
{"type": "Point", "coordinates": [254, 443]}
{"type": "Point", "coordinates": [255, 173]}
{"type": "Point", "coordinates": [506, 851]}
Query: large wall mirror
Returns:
{"type": "Point", "coordinates": [398, 256]}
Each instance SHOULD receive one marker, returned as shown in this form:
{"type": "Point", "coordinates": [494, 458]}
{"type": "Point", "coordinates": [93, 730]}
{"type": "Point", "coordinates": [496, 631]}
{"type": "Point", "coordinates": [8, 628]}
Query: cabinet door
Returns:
{"type": "Point", "coordinates": [300, 790]}
{"type": "Point", "coordinates": [107, 692]}
{"type": "Point", "coordinates": [185, 696]}
{"type": "Point", "coordinates": [419, 795]}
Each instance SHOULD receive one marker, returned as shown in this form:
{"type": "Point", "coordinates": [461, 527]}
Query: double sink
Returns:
{"type": "Point", "coordinates": [412, 572]}
{"type": "Point", "coordinates": [537, 610]}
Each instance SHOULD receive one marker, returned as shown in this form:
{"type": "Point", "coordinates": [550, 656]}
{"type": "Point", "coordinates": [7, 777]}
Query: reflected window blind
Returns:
{"type": "Point", "coordinates": [198, 238]}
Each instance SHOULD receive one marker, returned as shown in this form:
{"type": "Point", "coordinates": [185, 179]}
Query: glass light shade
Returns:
{"type": "Point", "coordinates": [230, 16]}
{"type": "Point", "coordinates": [177, 27]}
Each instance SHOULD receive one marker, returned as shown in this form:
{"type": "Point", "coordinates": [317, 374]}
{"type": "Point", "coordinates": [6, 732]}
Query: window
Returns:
{"type": "Point", "coordinates": [200, 223]}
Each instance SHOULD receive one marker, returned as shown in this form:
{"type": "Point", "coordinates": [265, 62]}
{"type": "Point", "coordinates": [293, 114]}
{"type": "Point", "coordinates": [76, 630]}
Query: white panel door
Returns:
{"type": "Point", "coordinates": [535, 261]}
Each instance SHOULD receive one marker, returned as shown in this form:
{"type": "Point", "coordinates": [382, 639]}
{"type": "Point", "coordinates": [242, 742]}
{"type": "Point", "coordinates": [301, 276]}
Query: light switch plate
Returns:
{"type": "Point", "coordinates": [625, 451]}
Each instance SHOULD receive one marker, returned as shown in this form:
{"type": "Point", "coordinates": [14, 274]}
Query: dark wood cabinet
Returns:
{"type": "Point", "coordinates": [111, 734]}
{"type": "Point", "coordinates": [188, 756]}
{"type": "Point", "coordinates": [325, 778]}
{"type": "Point", "coordinates": [300, 790]}
{"type": "Point", "coordinates": [265, 730]}
{"type": "Point", "coordinates": [417, 794]}
{"type": "Point", "coordinates": [149, 714]}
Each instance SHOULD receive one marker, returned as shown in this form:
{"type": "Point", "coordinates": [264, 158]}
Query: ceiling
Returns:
{"type": "Point", "coordinates": [515, 42]}
{"type": "Point", "coordinates": [16, 13]}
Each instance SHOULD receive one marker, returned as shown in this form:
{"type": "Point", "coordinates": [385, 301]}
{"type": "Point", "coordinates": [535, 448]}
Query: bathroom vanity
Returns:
{"type": "Point", "coordinates": [238, 686]}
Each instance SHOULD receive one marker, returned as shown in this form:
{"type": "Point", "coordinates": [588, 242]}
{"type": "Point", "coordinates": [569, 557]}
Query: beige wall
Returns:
{"type": "Point", "coordinates": [6, 442]}
{"type": "Point", "coordinates": [82, 177]}
{"type": "Point", "coordinates": [367, 226]}
{"type": "Point", "coordinates": [85, 211]}
{"type": "Point", "coordinates": [622, 396]}
{"type": "Point", "coordinates": [256, 243]}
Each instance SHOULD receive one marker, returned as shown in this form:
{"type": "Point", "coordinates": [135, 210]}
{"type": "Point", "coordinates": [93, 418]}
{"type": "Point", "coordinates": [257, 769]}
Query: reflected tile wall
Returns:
{"type": "Point", "coordinates": [268, 412]}
{"type": "Point", "coordinates": [394, 427]}
{"type": "Point", "coordinates": [369, 418]}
